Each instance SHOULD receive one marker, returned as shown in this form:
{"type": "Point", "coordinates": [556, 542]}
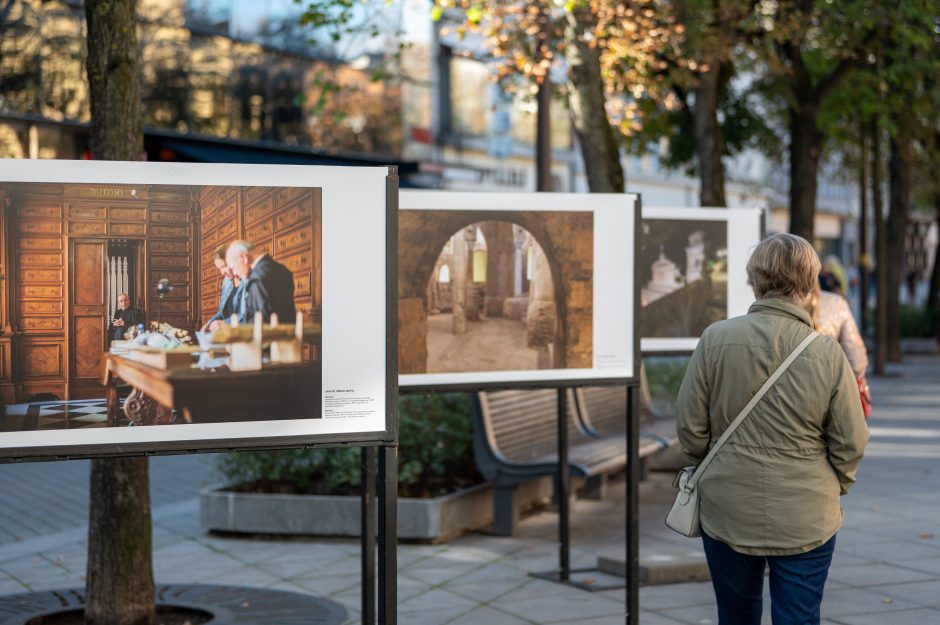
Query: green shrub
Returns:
{"type": "Point", "coordinates": [664, 375]}
{"type": "Point", "coordinates": [435, 456]}
{"type": "Point", "coordinates": [917, 322]}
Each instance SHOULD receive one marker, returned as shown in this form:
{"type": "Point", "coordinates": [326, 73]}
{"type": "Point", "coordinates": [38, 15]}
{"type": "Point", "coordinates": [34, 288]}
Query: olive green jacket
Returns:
{"type": "Point", "coordinates": [774, 487]}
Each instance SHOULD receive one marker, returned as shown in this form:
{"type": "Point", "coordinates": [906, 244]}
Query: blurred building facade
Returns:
{"type": "Point", "coordinates": [210, 74]}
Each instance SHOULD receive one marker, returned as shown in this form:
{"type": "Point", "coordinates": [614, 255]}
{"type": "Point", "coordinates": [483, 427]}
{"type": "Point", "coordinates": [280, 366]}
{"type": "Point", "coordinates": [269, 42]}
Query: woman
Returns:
{"type": "Point", "coordinates": [833, 318]}
{"type": "Point", "coordinates": [771, 495]}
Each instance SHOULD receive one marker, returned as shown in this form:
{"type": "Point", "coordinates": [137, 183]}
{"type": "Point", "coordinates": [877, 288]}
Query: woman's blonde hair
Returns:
{"type": "Point", "coordinates": [784, 266]}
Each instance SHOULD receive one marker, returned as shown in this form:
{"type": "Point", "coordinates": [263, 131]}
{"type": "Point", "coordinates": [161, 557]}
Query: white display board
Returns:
{"type": "Point", "coordinates": [515, 289]}
{"type": "Point", "coordinates": [349, 391]}
{"type": "Point", "coordinates": [692, 272]}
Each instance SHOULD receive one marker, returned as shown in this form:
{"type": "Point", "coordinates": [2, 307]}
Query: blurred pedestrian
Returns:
{"type": "Point", "coordinates": [771, 495]}
{"type": "Point", "coordinates": [833, 318]}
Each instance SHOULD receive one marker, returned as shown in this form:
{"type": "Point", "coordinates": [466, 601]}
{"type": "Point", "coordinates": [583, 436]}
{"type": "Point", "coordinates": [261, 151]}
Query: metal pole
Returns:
{"type": "Point", "coordinates": [368, 535]}
{"type": "Point", "coordinates": [562, 490]}
{"type": "Point", "coordinates": [388, 536]}
{"type": "Point", "coordinates": [632, 562]}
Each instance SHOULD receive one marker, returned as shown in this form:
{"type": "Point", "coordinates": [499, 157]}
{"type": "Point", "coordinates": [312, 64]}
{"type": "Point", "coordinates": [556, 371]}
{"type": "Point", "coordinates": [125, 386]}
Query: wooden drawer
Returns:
{"type": "Point", "coordinates": [40, 227]}
{"type": "Point", "coordinates": [33, 211]}
{"type": "Point", "coordinates": [88, 212]}
{"type": "Point", "coordinates": [43, 324]}
{"type": "Point", "coordinates": [129, 214]}
{"type": "Point", "coordinates": [302, 284]}
{"type": "Point", "coordinates": [262, 208]}
{"type": "Point", "coordinates": [169, 262]}
{"type": "Point", "coordinates": [210, 241]}
{"type": "Point", "coordinates": [304, 305]}
{"type": "Point", "coordinates": [265, 246]}
{"type": "Point", "coordinates": [169, 247]}
{"type": "Point", "coordinates": [298, 238]}
{"type": "Point", "coordinates": [42, 359]}
{"type": "Point", "coordinates": [259, 231]}
{"type": "Point", "coordinates": [173, 306]}
{"type": "Point", "coordinates": [128, 230]}
{"type": "Point", "coordinates": [228, 212]}
{"type": "Point", "coordinates": [42, 260]}
{"type": "Point", "coordinates": [43, 290]}
{"type": "Point", "coordinates": [286, 195]}
{"type": "Point", "coordinates": [252, 194]}
{"type": "Point", "coordinates": [41, 243]}
{"type": "Point", "coordinates": [42, 308]}
{"type": "Point", "coordinates": [175, 277]}
{"type": "Point", "coordinates": [301, 261]}
{"type": "Point", "coordinates": [294, 214]}
{"type": "Point", "coordinates": [40, 275]}
{"type": "Point", "coordinates": [169, 217]}
{"type": "Point", "coordinates": [228, 232]}
{"type": "Point", "coordinates": [169, 232]}
{"type": "Point", "coordinates": [88, 227]}
{"type": "Point", "coordinates": [210, 304]}
{"type": "Point", "coordinates": [210, 286]}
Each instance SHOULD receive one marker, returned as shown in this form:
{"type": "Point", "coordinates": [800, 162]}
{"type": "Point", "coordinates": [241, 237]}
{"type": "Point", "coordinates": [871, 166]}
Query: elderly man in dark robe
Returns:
{"type": "Point", "coordinates": [124, 317]}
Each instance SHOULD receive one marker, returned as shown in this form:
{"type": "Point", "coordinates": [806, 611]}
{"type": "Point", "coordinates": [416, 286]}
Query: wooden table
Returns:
{"type": "Point", "coordinates": [194, 395]}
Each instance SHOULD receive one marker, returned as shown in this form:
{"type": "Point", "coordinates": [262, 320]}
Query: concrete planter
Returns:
{"type": "Point", "coordinates": [435, 520]}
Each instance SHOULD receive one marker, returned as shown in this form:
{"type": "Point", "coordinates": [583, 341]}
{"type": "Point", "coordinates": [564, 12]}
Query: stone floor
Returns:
{"type": "Point", "coordinates": [886, 569]}
{"type": "Point", "coordinates": [488, 345]}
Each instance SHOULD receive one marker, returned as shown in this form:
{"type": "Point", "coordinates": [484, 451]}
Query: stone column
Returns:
{"type": "Point", "coordinates": [461, 242]}
{"type": "Point", "coordinates": [541, 315]}
{"type": "Point", "coordinates": [518, 240]}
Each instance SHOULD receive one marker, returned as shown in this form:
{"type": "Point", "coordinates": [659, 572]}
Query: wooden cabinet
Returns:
{"type": "Point", "coordinates": [284, 222]}
{"type": "Point", "coordinates": [58, 241]}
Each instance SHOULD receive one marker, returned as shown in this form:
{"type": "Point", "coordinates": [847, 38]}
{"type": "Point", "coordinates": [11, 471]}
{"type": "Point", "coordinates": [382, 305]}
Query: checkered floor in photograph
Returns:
{"type": "Point", "coordinates": [55, 415]}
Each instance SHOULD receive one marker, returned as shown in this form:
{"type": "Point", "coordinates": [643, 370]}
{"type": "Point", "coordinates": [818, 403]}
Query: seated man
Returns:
{"type": "Point", "coordinates": [269, 285]}
{"type": "Point", "coordinates": [124, 317]}
{"type": "Point", "coordinates": [232, 293]}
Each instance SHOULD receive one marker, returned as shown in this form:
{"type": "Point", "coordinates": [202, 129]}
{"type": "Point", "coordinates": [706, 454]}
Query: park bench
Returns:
{"type": "Point", "coordinates": [515, 440]}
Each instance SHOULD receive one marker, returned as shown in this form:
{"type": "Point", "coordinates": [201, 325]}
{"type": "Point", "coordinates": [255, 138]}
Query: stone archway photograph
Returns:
{"type": "Point", "coordinates": [483, 291]}
{"type": "Point", "coordinates": [683, 276]}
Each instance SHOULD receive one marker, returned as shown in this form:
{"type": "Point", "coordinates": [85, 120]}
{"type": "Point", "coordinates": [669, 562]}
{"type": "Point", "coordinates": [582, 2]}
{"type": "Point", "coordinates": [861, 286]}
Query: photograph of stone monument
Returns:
{"type": "Point", "coordinates": [683, 276]}
{"type": "Point", "coordinates": [483, 291]}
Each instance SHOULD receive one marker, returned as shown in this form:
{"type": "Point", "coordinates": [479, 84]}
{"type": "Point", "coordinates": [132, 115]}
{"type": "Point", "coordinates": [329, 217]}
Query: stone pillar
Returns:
{"type": "Point", "coordinates": [499, 266]}
{"type": "Point", "coordinates": [459, 280]}
{"type": "Point", "coordinates": [541, 321]}
{"type": "Point", "coordinates": [474, 301]}
{"type": "Point", "coordinates": [518, 241]}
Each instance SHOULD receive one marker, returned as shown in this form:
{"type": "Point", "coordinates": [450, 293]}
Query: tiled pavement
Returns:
{"type": "Point", "coordinates": [886, 568]}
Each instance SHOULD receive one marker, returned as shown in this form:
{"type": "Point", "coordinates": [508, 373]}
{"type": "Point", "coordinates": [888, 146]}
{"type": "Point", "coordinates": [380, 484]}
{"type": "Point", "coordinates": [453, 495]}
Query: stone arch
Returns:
{"type": "Point", "coordinates": [566, 238]}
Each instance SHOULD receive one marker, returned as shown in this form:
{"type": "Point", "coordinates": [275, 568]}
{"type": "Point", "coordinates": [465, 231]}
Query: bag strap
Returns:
{"type": "Point", "coordinates": [747, 409]}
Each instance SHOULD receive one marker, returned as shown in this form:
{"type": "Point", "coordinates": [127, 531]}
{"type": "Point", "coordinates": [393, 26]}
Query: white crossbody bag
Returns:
{"type": "Point", "coordinates": [683, 517]}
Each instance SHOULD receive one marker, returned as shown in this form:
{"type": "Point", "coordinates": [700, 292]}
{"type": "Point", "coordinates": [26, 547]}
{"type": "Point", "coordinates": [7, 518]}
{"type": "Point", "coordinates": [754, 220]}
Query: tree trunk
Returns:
{"type": "Point", "coordinates": [881, 252]}
{"type": "Point", "coordinates": [588, 114]}
{"type": "Point", "coordinates": [863, 260]}
{"type": "Point", "coordinates": [120, 588]}
{"type": "Point", "coordinates": [899, 172]}
{"type": "Point", "coordinates": [709, 142]}
{"type": "Point", "coordinates": [805, 144]}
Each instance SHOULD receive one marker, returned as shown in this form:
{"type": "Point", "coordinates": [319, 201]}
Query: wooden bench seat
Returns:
{"type": "Point", "coordinates": [515, 440]}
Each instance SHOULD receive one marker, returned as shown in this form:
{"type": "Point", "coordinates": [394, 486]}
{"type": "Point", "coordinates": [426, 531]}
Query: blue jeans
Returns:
{"type": "Point", "coordinates": [796, 584]}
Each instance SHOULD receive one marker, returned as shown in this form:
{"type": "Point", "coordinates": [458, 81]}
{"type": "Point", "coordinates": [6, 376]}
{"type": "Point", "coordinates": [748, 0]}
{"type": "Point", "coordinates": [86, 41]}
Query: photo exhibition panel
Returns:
{"type": "Point", "coordinates": [230, 305]}
{"type": "Point", "coordinates": [515, 289]}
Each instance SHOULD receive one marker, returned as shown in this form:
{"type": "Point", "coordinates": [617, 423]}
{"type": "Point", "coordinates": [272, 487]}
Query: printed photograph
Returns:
{"type": "Point", "coordinates": [683, 275]}
{"type": "Point", "coordinates": [483, 291]}
{"type": "Point", "coordinates": [137, 305]}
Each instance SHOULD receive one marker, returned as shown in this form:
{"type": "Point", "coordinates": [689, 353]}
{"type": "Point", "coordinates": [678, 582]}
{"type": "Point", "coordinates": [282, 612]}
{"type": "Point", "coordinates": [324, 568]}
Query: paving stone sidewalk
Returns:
{"type": "Point", "coordinates": [886, 568]}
